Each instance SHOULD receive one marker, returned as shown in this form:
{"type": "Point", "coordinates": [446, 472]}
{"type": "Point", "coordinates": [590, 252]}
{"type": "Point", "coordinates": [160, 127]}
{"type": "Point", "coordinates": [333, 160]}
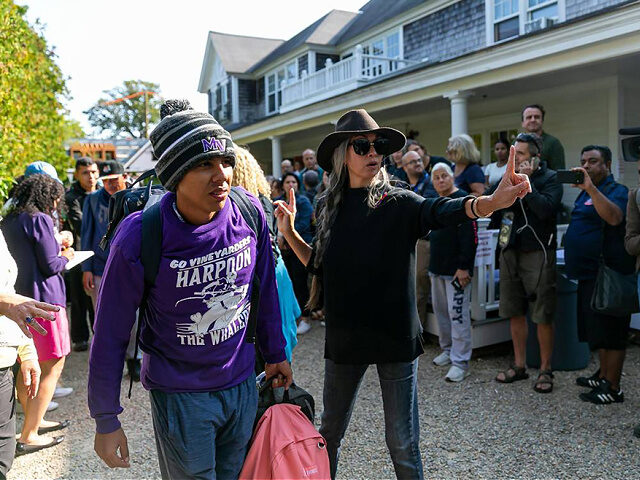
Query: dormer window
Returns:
{"type": "Point", "coordinates": [509, 18]}
{"type": "Point", "coordinates": [273, 85]}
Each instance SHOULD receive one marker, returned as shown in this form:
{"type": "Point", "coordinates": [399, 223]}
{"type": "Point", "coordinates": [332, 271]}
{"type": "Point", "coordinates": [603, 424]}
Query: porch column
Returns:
{"type": "Point", "coordinates": [276, 156]}
{"type": "Point", "coordinates": [459, 116]}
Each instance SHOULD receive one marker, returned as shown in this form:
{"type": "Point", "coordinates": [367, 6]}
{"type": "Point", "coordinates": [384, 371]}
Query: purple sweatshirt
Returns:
{"type": "Point", "coordinates": [194, 337]}
{"type": "Point", "coordinates": [34, 247]}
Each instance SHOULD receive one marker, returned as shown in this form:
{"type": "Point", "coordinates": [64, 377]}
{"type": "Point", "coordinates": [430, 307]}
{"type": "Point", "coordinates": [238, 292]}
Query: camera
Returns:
{"type": "Point", "coordinates": [631, 144]}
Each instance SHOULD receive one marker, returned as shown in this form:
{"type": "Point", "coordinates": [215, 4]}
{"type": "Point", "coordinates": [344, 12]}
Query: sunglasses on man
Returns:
{"type": "Point", "coordinates": [362, 146]}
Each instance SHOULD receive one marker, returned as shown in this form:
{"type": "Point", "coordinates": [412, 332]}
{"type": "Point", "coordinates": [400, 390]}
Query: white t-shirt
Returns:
{"type": "Point", "coordinates": [494, 172]}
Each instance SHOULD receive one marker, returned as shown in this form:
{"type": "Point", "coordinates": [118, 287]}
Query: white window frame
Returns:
{"type": "Point", "coordinates": [523, 14]}
{"type": "Point", "coordinates": [380, 37]}
{"type": "Point", "coordinates": [281, 69]}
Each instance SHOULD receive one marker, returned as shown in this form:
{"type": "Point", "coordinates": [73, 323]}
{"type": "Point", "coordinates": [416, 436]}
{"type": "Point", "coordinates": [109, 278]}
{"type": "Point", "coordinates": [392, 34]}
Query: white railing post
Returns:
{"type": "Point", "coordinates": [303, 85]}
{"type": "Point", "coordinates": [328, 63]}
{"type": "Point", "coordinates": [359, 65]}
{"type": "Point", "coordinates": [485, 257]}
{"type": "Point", "coordinates": [283, 84]}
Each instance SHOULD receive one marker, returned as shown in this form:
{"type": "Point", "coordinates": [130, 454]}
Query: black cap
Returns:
{"type": "Point", "coordinates": [110, 169]}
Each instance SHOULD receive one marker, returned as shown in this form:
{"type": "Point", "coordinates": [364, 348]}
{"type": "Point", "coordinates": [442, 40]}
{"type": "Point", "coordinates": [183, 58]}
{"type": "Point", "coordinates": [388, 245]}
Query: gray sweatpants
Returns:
{"type": "Point", "coordinates": [451, 308]}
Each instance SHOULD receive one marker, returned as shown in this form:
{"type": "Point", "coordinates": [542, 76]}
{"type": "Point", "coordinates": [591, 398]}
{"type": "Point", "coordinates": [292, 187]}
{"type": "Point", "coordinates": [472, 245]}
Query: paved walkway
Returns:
{"type": "Point", "coordinates": [477, 429]}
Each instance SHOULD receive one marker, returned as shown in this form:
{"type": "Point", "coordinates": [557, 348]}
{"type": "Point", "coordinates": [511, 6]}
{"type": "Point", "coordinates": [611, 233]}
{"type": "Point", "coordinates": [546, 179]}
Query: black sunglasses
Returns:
{"type": "Point", "coordinates": [362, 146]}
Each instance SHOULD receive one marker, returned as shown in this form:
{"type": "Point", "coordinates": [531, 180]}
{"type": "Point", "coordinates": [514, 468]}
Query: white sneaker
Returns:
{"type": "Point", "coordinates": [303, 327]}
{"type": "Point", "coordinates": [456, 374]}
{"type": "Point", "coordinates": [442, 359]}
{"type": "Point", "coordinates": [61, 392]}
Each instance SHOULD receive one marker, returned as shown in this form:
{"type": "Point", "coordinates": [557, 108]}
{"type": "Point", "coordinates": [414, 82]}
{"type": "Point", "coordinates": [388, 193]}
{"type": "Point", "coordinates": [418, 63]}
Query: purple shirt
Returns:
{"type": "Point", "coordinates": [194, 337]}
{"type": "Point", "coordinates": [33, 246]}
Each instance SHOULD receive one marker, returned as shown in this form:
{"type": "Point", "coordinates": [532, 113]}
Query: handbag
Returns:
{"type": "Point", "coordinates": [614, 293]}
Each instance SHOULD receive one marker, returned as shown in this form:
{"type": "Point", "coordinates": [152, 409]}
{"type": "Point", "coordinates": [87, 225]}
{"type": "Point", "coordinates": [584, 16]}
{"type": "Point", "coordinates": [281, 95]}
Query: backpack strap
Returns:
{"type": "Point", "coordinates": [150, 251]}
{"type": "Point", "coordinates": [251, 215]}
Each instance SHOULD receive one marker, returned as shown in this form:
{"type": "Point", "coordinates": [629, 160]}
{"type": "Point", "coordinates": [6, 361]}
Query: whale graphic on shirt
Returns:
{"type": "Point", "coordinates": [222, 298]}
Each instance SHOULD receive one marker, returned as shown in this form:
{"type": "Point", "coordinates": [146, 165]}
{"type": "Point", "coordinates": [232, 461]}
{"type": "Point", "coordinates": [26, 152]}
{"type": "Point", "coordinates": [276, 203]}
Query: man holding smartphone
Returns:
{"type": "Point", "coordinates": [528, 262]}
{"type": "Point", "coordinates": [596, 231]}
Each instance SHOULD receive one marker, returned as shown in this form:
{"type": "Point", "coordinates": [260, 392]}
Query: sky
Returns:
{"type": "Point", "coordinates": [99, 44]}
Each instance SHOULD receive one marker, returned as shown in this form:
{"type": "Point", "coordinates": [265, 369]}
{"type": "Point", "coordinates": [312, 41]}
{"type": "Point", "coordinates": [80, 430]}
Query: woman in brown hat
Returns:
{"type": "Point", "coordinates": [363, 262]}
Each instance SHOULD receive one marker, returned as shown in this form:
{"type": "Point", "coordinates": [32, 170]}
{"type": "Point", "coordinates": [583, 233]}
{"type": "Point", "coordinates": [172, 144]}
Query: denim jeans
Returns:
{"type": "Point", "coordinates": [398, 382]}
{"type": "Point", "coordinates": [204, 435]}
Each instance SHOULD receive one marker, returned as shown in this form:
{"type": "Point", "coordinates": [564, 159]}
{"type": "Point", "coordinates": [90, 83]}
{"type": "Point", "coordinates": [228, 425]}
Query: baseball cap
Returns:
{"type": "Point", "coordinates": [110, 169]}
{"type": "Point", "coordinates": [41, 168]}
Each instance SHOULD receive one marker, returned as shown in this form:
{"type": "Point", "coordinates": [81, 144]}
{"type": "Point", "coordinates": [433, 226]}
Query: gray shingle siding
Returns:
{"type": "Point", "coordinates": [448, 33]}
{"type": "Point", "coordinates": [577, 8]}
{"type": "Point", "coordinates": [250, 110]}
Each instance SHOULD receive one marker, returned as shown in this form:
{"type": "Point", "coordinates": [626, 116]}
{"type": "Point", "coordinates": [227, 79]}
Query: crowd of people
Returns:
{"type": "Point", "coordinates": [368, 211]}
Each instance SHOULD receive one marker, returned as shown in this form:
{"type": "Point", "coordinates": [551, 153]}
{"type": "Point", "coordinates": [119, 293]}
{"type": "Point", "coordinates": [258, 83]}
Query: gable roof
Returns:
{"type": "Point", "coordinates": [237, 52]}
{"type": "Point", "coordinates": [372, 14]}
{"type": "Point", "coordinates": [321, 32]}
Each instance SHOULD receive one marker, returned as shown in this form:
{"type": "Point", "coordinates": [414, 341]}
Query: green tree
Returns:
{"type": "Point", "coordinates": [72, 129]}
{"type": "Point", "coordinates": [122, 109]}
{"type": "Point", "coordinates": [32, 88]}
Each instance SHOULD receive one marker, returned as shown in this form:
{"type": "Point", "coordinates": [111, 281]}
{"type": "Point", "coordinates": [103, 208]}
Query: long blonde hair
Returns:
{"type": "Point", "coordinates": [248, 174]}
{"type": "Point", "coordinates": [463, 149]}
{"type": "Point", "coordinates": [332, 199]}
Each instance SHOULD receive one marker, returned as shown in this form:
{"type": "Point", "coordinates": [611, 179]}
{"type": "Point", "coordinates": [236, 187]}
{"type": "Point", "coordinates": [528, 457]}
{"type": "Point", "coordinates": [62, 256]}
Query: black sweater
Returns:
{"type": "Point", "coordinates": [369, 288]}
{"type": "Point", "coordinates": [453, 247]}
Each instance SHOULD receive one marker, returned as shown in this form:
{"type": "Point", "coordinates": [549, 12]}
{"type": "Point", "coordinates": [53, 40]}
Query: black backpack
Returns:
{"type": "Point", "coordinates": [267, 397]}
{"type": "Point", "coordinates": [125, 202]}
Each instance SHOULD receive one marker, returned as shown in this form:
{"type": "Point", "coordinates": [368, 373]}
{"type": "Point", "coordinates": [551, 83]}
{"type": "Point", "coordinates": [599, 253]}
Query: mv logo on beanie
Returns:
{"type": "Point", "coordinates": [213, 144]}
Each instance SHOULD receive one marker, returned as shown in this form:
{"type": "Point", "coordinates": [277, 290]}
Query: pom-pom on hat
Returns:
{"type": "Point", "coordinates": [184, 138]}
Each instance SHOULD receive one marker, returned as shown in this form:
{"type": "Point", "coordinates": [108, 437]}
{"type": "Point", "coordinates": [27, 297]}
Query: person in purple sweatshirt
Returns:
{"type": "Point", "coordinates": [196, 362]}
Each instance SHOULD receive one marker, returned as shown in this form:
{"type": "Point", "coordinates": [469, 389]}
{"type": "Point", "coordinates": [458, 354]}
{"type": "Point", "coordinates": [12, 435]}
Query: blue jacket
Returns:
{"type": "Point", "coordinates": [95, 219]}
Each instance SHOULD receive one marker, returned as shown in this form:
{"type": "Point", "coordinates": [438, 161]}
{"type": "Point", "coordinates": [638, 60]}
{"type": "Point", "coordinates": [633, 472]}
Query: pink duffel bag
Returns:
{"type": "Point", "coordinates": [286, 446]}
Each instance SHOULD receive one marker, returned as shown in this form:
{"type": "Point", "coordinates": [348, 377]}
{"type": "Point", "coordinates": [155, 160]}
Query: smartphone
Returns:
{"type": "Point", "coordinates": [570, 176]}
{"type": "Point", "coordinates": [456, 284]}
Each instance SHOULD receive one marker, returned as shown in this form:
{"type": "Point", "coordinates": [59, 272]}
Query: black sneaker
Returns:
{"type": "Point", "coordinates": [80, 346]}
{"type": "Point", "coordinates": [603, 394]}
{"type": "Point", "coordinates": [636, 431]}
{"type": "Point", "coordinates": [590, 382]}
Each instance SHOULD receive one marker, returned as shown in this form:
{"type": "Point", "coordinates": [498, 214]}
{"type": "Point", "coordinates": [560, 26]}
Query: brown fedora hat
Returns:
{"type": "Point", "coordinates": [355, 122]}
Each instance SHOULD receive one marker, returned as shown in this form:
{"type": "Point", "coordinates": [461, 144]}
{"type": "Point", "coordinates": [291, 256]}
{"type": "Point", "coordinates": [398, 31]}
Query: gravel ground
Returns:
{"type": "Point", "coordinates": [477, 429]}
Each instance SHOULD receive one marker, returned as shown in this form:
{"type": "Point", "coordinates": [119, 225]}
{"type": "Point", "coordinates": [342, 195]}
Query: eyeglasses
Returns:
{"type": "Point", "coordinates": [414, 162]}
{"type": "Point", "coordinates": [362, 146]}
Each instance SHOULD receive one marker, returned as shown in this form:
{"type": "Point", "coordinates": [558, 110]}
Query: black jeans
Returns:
{"type": "Point", "coordinates": [7, 421]}
{"type": "Point", "coordinates": [80, 306]}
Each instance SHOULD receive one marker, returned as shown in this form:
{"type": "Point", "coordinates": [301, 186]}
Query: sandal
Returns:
{"type": "Point", "coordinates": [513, 374]}
{"type": "Point", "coordinates": [545, 379]}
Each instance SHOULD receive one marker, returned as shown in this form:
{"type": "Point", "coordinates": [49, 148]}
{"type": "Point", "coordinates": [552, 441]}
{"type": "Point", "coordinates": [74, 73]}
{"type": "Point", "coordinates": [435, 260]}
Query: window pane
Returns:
{"type": "Point", "coordinates": [280, 79]}
{"type": "Point", "coordinates": [272, 102]}
{"type": "Point", "coordinates": [507, 29]}
{"type": "Point", "coordinates": [271, 83]}
{"type": "Point", "coordinates": [533, 3]}
{"type": "Point", "coordinates": [550, 11]}
{"type": "Point", "coordinates": [378, 48]}
{"type": "Point", "coordinates": [393, 46]}
{"type": "Point", "coordinates": [292, 71]}
{"type": "Point", "coordinates": [505, 8]}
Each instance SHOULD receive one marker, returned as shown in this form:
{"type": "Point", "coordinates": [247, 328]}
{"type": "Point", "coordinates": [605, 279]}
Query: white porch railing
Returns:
{"type": "Point", "coordinates": [338, 78]}
{"type": "Point", "coordinates": [484, 297]}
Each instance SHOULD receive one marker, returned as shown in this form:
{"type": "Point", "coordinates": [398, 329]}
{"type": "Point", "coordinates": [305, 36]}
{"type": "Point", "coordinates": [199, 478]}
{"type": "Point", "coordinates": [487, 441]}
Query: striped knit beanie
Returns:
{"type": "Point", "coordinates": [184, 138]}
